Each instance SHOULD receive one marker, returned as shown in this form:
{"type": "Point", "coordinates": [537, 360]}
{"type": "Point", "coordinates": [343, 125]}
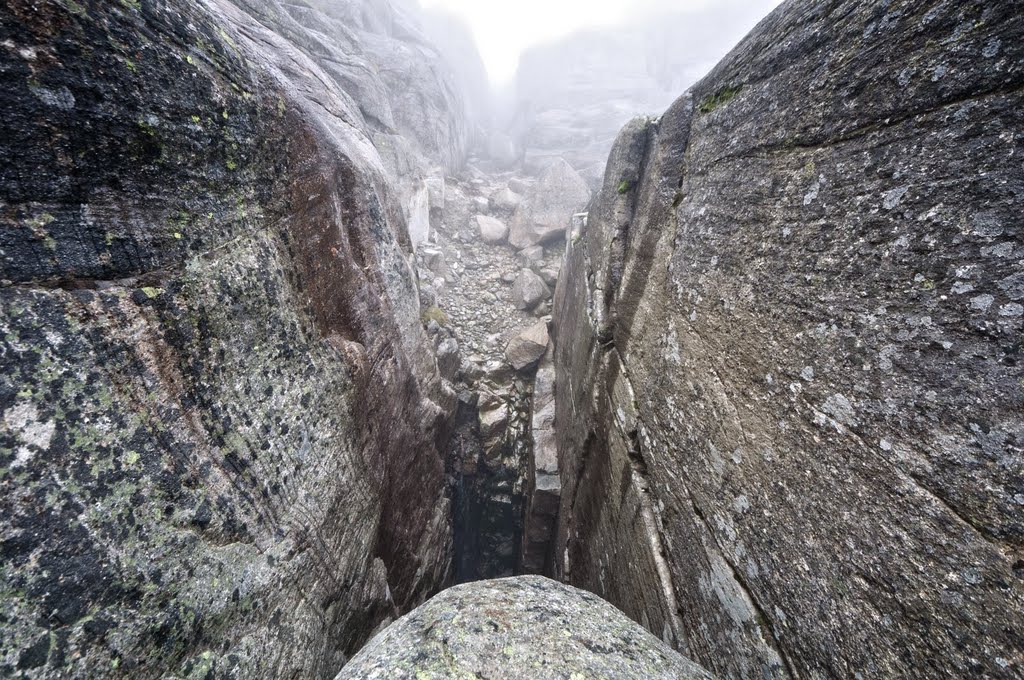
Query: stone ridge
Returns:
{"type": "Point", "coordinates": [526, 627]}
{"type": "Point", "coordinates": [788, 389]}
{"type": "Point", "coordinates": [222, 422]}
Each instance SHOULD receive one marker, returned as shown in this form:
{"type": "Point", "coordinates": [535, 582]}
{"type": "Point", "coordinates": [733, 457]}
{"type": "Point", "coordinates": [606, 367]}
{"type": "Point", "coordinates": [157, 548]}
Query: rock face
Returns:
{"type": "Point", "coordinates": [393, 83]}
{"type": "Point", "coordinates": [525, 627]}
{"type": "Point", "coordinates": [221, 417]}
{"type": "Point", "coordinates": [548, 206]}
{"type": "Point", "coordinates": [788, 389]}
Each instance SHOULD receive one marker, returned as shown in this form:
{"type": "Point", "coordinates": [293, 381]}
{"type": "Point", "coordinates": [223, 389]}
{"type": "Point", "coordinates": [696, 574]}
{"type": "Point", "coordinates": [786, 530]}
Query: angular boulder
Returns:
{"type": "Point", "coordinates": [448, 359]}
{"type": "Point", "coordinates": [492, 231]}
{"type": "Point", "coordinates": [526, 628]}
{"type": "Point", "coordinates": [544, 483]}
{"type": "Point", "coordinates": [529, 290]}
{"type": "Point", "coordinates": [548, 206]}
{"type": "Point", "coordinates": [520, 185]}
{"type": "Point", "coordinates": [506, 200]}
{"type": "Point", "coordinates": [527, 348]}
{"type": "Point", "coordinates": [528, 257]}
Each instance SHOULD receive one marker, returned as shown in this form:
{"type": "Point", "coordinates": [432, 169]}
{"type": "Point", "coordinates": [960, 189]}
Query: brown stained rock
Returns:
{"type": "Point", "coordinates": [219, 412]}
{"type": "Point", "coordinates": [526, 349]}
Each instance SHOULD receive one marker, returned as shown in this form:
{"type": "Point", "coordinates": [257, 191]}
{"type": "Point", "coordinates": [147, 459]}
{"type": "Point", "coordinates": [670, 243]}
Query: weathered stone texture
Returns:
{"type": "Point", "coordinates": [789, 390]}
{"type": "Point", "coordinates": [221, 418]}
{"type": "Point", "coordinates": [524, 627]}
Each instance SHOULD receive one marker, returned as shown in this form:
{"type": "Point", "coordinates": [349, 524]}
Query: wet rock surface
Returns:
{"type": "Point", "coordinates": [788, 384]}
{"type": "Point", "coordinates": [526, 627]}
{"type": "Point", "coordinates": [221, 417]}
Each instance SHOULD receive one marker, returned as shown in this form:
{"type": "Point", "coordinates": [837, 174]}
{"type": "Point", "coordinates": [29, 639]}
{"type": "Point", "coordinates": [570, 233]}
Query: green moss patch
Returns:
{"type": "Point", "coordinates": [720, 98]}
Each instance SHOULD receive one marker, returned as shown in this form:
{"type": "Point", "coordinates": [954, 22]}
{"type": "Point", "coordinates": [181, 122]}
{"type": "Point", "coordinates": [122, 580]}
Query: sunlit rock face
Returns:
{"type": "Point", "coordinates": [788, 391]}
{"type": "Point", "coordinates": [220, 450]}
{"type": "Point", "coordinates": [524, 627]}
{"type": "Point", "coordinates": [575, 94]}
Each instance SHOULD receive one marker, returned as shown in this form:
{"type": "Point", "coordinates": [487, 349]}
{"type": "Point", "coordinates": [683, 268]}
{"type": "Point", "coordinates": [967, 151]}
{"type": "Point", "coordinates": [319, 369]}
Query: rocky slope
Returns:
{"type": "Point", "coordinates": [486, 283]}
{"type": "Point", "coordinates": [223, 422]}
{"type": "Point", "coordinates": [527, 627]}
{"type": "Point", "coordinates": [788, 375]}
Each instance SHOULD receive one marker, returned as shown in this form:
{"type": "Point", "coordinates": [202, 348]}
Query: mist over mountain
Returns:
{"type": "Point", "coordinates": [573, 95]}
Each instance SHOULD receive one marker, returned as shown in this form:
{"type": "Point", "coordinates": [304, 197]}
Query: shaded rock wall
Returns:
{"type": "Point", "coordinates": [222, 421]}
{"type": "Point", "coordinates": [787, 346]}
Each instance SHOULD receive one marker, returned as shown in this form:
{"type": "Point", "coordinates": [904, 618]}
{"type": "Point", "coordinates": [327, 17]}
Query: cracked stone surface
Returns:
{"type": "Point", "coordinates": [789, 390]}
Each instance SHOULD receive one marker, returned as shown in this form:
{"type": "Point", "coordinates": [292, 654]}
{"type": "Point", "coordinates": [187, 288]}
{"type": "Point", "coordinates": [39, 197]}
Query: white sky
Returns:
{"type": "Point", "coordinates": [505, 28]}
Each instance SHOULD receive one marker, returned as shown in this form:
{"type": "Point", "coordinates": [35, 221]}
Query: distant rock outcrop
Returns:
{"type": "Point", "coordinates": [547, 208]}
{"type": "Point", "coordinates": [575, 94]}
{"type": "Point", "coordinates": [789, 386]}
{"type": "Point", "coordinates": [525, 627]}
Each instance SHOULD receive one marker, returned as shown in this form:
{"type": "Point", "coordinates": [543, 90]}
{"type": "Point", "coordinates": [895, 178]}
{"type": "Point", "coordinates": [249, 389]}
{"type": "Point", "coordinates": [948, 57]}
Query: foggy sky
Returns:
{"type": "Point", "coordinates": [504, 28]}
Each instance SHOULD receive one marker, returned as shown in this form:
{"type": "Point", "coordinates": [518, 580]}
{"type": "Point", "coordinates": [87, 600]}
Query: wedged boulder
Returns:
{"type": "Point", "coordinates": [544, 483]}
{"type": "Point", "coordinates": [526, 628]}
{"type": "Point", "coordinates": [492, 231]}
{"type": "Point", "coordinates": [493, 417]}
{"type": "Point", "coordinates": [529, 290]}
{"type": "Point", "coordinates": [548, 206]}
{"type": "Point", "coordinates": [527, 348]}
